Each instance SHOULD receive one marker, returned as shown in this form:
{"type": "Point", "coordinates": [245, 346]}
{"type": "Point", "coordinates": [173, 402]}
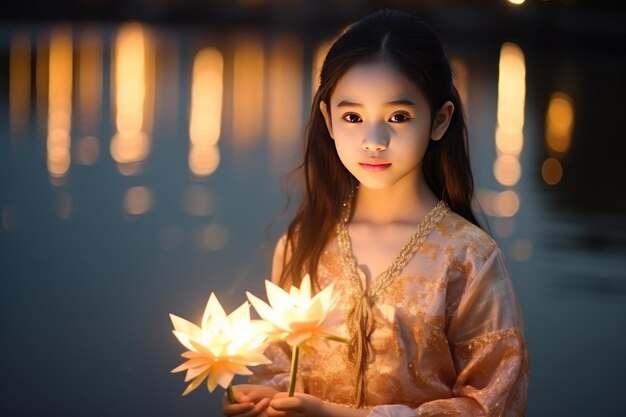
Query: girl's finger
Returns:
{"type": "Point", "coordinates": [258, 408]}
{"type": "Point", "coordinates": [236, 409]}
{"type": "Point", "coordinates": [286, 404]}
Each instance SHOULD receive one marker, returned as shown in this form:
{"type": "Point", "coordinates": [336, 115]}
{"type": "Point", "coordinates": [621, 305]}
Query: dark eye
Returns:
{"type": "Point", "coordinates": [399, 118]}
{"type": "Point", "coordinates": [352, 118]}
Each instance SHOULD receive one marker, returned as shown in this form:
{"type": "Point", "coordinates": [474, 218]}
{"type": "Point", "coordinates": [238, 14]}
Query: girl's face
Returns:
{"type": "Point", "coordinates": [381, 124]}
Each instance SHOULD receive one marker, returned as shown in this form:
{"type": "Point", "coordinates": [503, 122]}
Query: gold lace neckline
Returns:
{"type": "Point", "coordinates": [360, 320]}
{"type": "Point", "coordinates": [382, 281]}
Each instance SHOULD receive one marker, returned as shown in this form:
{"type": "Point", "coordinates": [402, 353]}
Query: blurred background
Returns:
{"type": "Point", "coordinates": [144, 153]}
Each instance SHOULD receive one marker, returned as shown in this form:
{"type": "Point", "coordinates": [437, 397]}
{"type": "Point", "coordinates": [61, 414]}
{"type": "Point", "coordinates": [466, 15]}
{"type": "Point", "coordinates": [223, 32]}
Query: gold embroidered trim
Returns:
{"type": "Point", "coordinates": [360, 320]}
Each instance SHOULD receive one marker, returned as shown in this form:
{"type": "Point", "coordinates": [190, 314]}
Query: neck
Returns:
{"type": "Point", "coordinates": [404, 202]}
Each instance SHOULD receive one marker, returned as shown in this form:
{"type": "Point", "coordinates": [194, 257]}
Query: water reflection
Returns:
{"type": "Point", "coordinates": [133, 63]}
{"type": "Point", "coordinates": [59, 103]}
{"type": "Point", "coordinates": [205, 118]}
{"type": "Point", "coordinates": [285, 98]}
{"type": "Point", "coordinates": [248, 91]}
{"type": "Point", "coordinates": [19, 83]}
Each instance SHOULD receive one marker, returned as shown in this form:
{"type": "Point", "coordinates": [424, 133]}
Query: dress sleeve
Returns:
{"type": "Point", "coordinates": [486, 340]}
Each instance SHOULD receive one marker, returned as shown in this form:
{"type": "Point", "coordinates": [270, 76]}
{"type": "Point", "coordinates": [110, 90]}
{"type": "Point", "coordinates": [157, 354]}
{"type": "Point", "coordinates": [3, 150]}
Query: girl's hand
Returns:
{"type": "Point", "coordinates": [252, 401]}
{"type": "Point", "coordinates": [301, 405]}
{"type": "Point", "coordinates": [305, 405]}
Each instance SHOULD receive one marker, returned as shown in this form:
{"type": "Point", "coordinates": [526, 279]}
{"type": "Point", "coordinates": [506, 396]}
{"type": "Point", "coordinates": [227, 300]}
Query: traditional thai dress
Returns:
{"type": "Point", "coordinates": [445, 339]}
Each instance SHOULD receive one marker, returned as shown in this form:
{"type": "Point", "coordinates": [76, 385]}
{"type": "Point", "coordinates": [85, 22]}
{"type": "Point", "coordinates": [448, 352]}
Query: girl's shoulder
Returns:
{"type": "Point", "coordinates": [464, 239]}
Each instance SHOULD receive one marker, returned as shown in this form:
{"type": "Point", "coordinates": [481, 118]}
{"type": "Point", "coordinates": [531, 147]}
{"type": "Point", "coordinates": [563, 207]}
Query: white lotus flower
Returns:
{"type": "Point", "coordinates": [224, 346]}
{"type": "Point", "coordinates": [294, 316]}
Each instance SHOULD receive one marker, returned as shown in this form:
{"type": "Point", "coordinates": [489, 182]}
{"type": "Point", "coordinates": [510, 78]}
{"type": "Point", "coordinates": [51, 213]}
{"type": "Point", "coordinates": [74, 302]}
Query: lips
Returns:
{"type": "Point", "coordinates": [375, 166]}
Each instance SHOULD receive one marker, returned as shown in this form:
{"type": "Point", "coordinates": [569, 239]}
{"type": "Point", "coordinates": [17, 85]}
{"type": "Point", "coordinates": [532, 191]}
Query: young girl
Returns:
{"type": "Point", "coordinates": [434, 324]}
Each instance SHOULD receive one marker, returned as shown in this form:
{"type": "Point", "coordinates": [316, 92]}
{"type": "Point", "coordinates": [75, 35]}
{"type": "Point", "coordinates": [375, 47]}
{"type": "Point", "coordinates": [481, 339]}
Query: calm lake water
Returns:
{"type": "Point", "coordinates": [143, 167]}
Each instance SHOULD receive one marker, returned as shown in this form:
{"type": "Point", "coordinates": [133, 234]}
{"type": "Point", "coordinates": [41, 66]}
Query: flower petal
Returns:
{"type": "Point", "coordinates": [194, 384]}
{"type": "Point", "coordinates": [213, 311]}
{"type": "Point", "coordinates": [186, 327]}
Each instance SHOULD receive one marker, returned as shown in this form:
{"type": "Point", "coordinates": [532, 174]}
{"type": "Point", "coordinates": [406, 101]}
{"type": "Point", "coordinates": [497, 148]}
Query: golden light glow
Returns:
{"type": "Point", "coordinates": [507, 170]}
{"type": "Point", "coordinates": [137, 200]}
{"type": "Point", "coordinates": [248, 81]}
{"type": "Point", "coordinates": [41, 79]}
{"type": "Point", "coordinates": [517, 2]}
{"type": "Point", "coordinates": [285, 98]}
{"type": "Point", "coordinates": [133, 64]}
{"type": "Point", "coordinates": [498, 204]}
{"type": "Point", "coordinates": [204, 161]}
{"type": "Point", "coordinates": [506, 203]}
{"type": "Point", "coordinates": [295, 316]}
{"type": "Point", "coordinates": [222, 347]}
{"type": "Point", "coordinates": [87, 150]}
{"type": "Point", "coordinates": [509, 143]}
{"type": "Point", "coordinates": [318, 62]}
{"type": "Point", "coordinates": [19, 83]}
{"type": "Point", "coordinates": [89, 81]}
{"type": "Point", "coordinates": [59, 102]}
{"type": "Point", "coordinates": [559, 123]}
{"type": "Point", "coordinates": [198, 201]}
{"type": "Point", "coordinates": [551, 171]}
{"type": "Point", "coordinates": [461, 80]}
{"type": "Point", "coordinates": [511, 88]}
{"type": "Point", "coordinates": [206, 111]}
{"type": "Point", "coordinates": [509, 136]}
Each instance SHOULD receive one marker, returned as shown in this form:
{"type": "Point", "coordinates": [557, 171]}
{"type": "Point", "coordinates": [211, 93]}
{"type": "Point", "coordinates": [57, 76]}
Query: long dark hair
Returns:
{"type": "Point", "coordinates": [416, 52]}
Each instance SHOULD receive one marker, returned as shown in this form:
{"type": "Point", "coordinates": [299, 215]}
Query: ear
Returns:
{"type": "Point", "coordinates": [326, 114]}
{"type": "Point", "coordinates": [442, 120]}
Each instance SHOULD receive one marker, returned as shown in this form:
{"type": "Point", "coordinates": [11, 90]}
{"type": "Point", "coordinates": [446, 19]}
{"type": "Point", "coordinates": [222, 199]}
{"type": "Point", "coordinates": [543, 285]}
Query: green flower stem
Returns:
{"type": "Point", "coordinates": [294, 369]}
{"type": "Point", "coordinates": [231, 394]}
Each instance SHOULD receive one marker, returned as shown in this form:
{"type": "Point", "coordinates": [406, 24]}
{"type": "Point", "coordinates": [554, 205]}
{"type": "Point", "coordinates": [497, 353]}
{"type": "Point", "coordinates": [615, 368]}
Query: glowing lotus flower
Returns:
{"type": "Point", "coordinates": [222, 347]}
{"type": "Point", "coordinates": [294, 316]}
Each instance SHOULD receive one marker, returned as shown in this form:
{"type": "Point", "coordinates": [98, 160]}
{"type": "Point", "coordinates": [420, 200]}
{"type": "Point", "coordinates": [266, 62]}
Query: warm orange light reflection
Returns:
{"type": "Point", "coordinates": [498, 204]}
{"type": "Point", "coordinates": [507, 203]}
{"type": "Point", "coordinates": [89, 81]}
{"type": "Point", "coordinates": [19, 82]}
{"type": "Point", "coordinates": [206, 111]}
{"type": "Point", "coordinates": [559, 122]}
{"type": "Point", "coordinates": [203, 161]}
{"type": "Point", "coordinates": [511, 88]}
{"type": "Point", "coordinates": [510, 113]}
{"type": "Point", "coordinates": [285, 98]}
{"type": "Point", "coordinates": [137, 200]}
{"type": "Point", "coordinates": [133, 77]}
{"type": "Point", "coordinates": [318, 61]}
{"type": "Point", "coordinates": [551, 171]}
{"type": "Point", "coordinates": [59, 102]}
{"type": "Point", "coordinates": [41, 80]}
{"type": "Point", "coordinates": [461, 80]}
{"type": "Point", "coordinates": [507, 170]}
{"type": "Point", "coordinates": [248, 80]}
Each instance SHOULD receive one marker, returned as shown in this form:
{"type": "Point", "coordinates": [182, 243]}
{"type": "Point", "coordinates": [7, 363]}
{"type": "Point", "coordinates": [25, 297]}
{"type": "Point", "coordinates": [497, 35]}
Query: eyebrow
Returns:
{"type": "Point", "coordinates": [400, 101]}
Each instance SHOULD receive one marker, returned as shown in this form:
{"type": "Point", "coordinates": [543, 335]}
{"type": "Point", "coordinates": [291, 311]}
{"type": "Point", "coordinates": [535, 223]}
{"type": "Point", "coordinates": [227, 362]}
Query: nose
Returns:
{"type": "Point", "coordinates": [376, 138]}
